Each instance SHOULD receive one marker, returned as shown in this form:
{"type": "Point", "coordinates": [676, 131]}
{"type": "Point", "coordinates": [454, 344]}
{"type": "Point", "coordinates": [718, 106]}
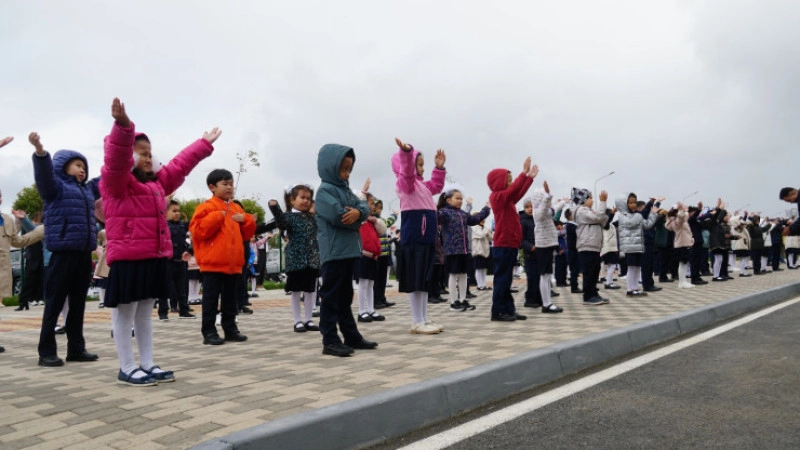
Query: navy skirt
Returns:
{"type": "Point", "coordinates": [132, 281]}
{"type": "Point", "coordinates": [365, 268]}
{"type": "Point", "coordinates": [415, 267]}
{"type": "Point", "coordinates": [456, 263]}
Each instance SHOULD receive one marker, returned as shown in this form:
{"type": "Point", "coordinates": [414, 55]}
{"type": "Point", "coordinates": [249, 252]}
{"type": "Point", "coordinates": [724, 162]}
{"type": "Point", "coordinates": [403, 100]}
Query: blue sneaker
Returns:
{"type": "Point", "coordinates": [594, 301]}
{"type": "Point", "coordinates": [165, 376]}
{"type": "Point", "coordinates": [147, 380]}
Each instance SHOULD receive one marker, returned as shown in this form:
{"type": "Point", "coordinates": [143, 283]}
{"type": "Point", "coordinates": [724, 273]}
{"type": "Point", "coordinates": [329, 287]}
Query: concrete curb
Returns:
{"type": "Point", "coordinates": [389, 414]}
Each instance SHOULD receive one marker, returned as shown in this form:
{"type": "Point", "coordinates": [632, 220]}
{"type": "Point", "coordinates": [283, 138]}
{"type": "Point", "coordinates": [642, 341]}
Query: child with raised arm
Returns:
{"type": "Point", "coordinates": [302, 252]}
{"type": "Point", "coordinates": [546, 243]}
{"type": "Point", "coordinates": [506, 192]}
{"type": "Point", "coordinates": [71, 236]}
{"type": "Point", "coordinates": [339, 214]}
{"type": "Point", "coordinates": [139, 244]}
{"type": "Point", "coordinates": [455, 224]}
{"type": "Point", "coordinates": [677, 222]}
{"type": "Point", "coordinates": [589, 234]}
{"type": "Point", "coordinates": [218, 227]}
{"type": "Point", "coordinates": [418, 240]}
{"type": "Point", "coordinates": [632, 224]}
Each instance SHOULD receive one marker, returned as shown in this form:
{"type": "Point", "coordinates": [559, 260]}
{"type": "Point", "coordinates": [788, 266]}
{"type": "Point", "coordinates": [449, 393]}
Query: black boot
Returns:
{"type": "Point", "coordinates": [22, 306]}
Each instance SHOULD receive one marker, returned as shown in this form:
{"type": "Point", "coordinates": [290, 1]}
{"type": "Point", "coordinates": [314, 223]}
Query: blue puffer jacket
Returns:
{"type": "Point", "coordinates": [68, 205]}
{"type": "Point", "coordinates": [336, 240]}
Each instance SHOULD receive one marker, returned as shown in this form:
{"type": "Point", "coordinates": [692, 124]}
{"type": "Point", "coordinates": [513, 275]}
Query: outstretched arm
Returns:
{"type": "Point", "coordinates": [46, 181]}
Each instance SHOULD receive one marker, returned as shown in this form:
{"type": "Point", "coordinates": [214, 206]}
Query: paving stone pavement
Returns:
{"type": "Point", "coordinates": [276, 373]}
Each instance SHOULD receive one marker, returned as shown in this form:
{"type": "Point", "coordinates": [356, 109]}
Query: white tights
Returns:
{"type": "Point", "coordinates": [545, 287]}
{"type": "Point", "coordinates": [366, 296]}
{"type": "Point", "coordinates": [139, 315]}
{"type": "Point", "coordinates": [480, 277]}
{"type": "Point", "coordinates": [309, 300]}
{"type": "Point", "coordinates": [632, 280]}
{"type": "Point", "coordinates": [457, 284]}
{"type": "Point", "coordinates": [419, 306]}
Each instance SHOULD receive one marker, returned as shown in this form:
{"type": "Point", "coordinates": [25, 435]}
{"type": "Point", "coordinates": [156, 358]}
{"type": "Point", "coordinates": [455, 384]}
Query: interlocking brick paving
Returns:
{"type": "Point", "coordinates": [277, 372]}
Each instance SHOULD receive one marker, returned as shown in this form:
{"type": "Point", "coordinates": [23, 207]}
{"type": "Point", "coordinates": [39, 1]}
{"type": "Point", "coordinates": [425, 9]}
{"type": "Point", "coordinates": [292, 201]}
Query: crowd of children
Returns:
{"type": "Point", "coordinates": [148, 255]}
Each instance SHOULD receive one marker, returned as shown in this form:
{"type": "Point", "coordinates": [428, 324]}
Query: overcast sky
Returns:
{"type": "Point", "coordinates": [673, 96]}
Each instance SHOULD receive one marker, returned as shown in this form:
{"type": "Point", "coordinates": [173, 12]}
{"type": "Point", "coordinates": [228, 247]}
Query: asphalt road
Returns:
{"type": "Point", "coordinates": [738, 390]}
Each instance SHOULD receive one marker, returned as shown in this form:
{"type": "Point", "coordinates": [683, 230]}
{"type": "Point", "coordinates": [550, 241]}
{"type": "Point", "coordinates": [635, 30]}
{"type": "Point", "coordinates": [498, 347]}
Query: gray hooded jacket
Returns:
{"type": "Point", "coordinates": [631, 226]}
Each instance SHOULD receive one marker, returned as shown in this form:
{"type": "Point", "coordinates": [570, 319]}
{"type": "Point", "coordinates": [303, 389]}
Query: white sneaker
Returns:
{"type": "Point", "coordinates": [434, 324]}
{"type": "Point", "coordinates": [424, 328]}
{"type": "Point", "coordinates": [683, 285]}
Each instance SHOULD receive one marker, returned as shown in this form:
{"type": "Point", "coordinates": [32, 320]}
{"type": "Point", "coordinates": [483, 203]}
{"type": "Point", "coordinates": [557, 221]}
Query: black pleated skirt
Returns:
{"type": "Point", "coordinates": [415, 267]}
{"type": "Point", "coordinates": [303, 280]}
{"type": "Point", "coordinates": [131, 281]}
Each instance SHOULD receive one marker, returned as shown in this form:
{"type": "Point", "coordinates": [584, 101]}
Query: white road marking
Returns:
{"type": "Point", "coordinates": [464, 431]}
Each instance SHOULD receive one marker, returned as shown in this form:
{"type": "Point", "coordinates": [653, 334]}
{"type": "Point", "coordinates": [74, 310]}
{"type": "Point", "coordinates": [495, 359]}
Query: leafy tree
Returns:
{"type": "Point", "coordinates": [250, 207]}
{"type": "Point", "coordinates": [28, 200]}
{"type": "Point", "coordinates": [245, 162]}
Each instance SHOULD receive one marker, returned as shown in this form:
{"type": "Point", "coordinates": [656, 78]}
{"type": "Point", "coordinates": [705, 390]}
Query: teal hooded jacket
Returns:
{"type": "Point", "coordinates": [336, 240]}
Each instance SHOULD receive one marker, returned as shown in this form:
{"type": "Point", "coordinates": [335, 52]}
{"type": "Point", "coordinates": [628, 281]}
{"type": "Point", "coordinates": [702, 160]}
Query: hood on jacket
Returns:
{"type": "Point", "coordinates": [330, 159]}
{"type": "Point", "coordinates": [497, 179]}
{"type": "Point", "coordinates": [60, 160]}
{"type": "Point", "coordinates": [157, 165]}
{"type": "Point", "coordinates": [396, 163]}
{"type": "Point", "coordinates": [537, 198]}
{"type": "Point", "coordinates": [622, 203]}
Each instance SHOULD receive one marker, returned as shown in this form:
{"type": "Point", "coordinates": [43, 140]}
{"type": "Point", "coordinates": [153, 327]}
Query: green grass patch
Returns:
{"type": "Point", "coordinates": [270, 285]}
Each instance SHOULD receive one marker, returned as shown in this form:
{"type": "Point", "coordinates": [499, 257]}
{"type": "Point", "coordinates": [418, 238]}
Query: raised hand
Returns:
{"type": "Point", "coordinates": [6, 140]}
{"type": "Point", "coordinates": [469, 200]}
{"type": "Point", "coordinates": [700, 205]}
{"type": "Point", "coordinates": [19, 214]}
{"type": "Point", "coordinates": [534, 170]}
{"type": "Point", "coordinates": [119, 114]}
{"type": "Point", "coordinates": [351, 216]}
{"type": "Point", "coordinates": [679, 206]}
{"type": "Point", "coordinates": [272, 202]}
{"type": "Point", "coordinates": [546, 187]}
{"type": "Point", "coordinates": [603, 196]}
{"type": "Point", "coordinates": [395, 212]}
{"type": "Point", "coordinates": [526, 166]}
{"type": "Point", "coordinates": [212, 135]}
{"type": "Point", "coordinates": [660, 199]}
{"type": "Point", "coordinates": [36, 141]}
{"type": "Point", "coordinates": [439, 159]}
{"type": "Point", "coordinates": [238, 217]}
{"type": "Point", "coordinates": [367, 183]}
{"type": "Point", "coordinates": [403, 146]}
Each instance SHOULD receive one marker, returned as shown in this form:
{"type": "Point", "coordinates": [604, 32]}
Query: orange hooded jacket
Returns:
{"type": "Point", "coordinates": [218, 238]}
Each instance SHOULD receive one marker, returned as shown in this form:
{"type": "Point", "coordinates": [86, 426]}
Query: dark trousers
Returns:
{"type": "Point", "coordinates": [336, 294]}
{"type": "Point", "coordinates": [435, 287]}
{"type": "Point", "coordinates": [471, 281]}
{"type": "Point", "coordinates": [647, 266]}
{"type": "Point", "coordinates": [261, 267]}
{"type": "Point", "coordinates": [591, 273]}
{"type": "Point", "coordinates": [32, 287]}
{"type": "Point", "coordinates": [178, 287]}
{"type": "Point", "coordinates": [504, 260]}
{"type": "Point", "coordinates": [219, 295]}
{"type": "Point", "coordinates": [755, 259]}
{"type": "Point", "coordinates": [574, 268]}
{"type": "Point", "coordinates": [68, 277]}
{"type": "Point", "coordinates": [561, 268]}
{"type": "Point", "coordinates": [379, 287]}
{"type": "Point", "coordinates": [533, 296]}
{"type": "Point", "coordinates": [668, 268]}
{"type": "Point", "coordinates": [776, 255]}
{"type": "Point", "coordinates": [696, 261]}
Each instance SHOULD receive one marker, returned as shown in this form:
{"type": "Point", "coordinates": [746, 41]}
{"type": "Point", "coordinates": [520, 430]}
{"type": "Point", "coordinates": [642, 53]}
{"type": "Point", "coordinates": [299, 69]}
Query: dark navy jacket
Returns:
{"type": "Point", "coordinates": [68, 205]}
{"type": "Point", "coordinates": [528, 233]}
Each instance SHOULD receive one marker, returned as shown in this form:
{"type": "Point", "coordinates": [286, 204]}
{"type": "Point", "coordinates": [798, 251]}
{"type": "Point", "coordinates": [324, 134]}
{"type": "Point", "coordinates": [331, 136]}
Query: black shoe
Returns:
{"type": "Point", "coordinates": [504, 317]}
{"type": "Point", "coordinates": [337, 350]}
{"type": "Point", "coordinates": [213, 339]}
{"type": "Point", "coordinates": [514, 291]}
{"type": "Point", "coordinates": [253, 295]}
{"type": "Point", "coordinates": [652, 289]}
{"type": "Point", "coordinates": [315, 314]}
{"type": "Point", "coordinates": [554, 294]}
{"type": "Point", "coordinates": [311, 327]}
{"type": "Point", "coordinates": [699, 281]}
{"type": "Point", "coordinates": [561, 285]}
{"type": "Point", "coordinates": [467, 306]}
{"type": "Point", "coordinates": [377, 317]}
{"type": "Point", "coordinates": [744, 275]}
{"type": "Point", "coordinates": [576, 291]}
{"type": "Point", "coordinates": [665, 280]}
{"type": "Point", "coordinates": [186, 315]}
{"type": "Point", "coordinates": [719, 279]}
{"type": "Point", "coordinates": [435, 300]}
{"type": "Point", "coordinates": [236, 336]}
{"type": "Point", "coordinates": [611, 286]}
{"type": "Point", "coordinates": [552, 309]}
{"type": "Point", "coordinates": [777, 270]}
{"type": "Point", "coordinates": [445, 291]}
{"type": "Point", "coordinates": [21, 307]}
{"type": "Point", "coordinates": [363, 344]}
{"type": "Point", "coordinates": [50, 361]}
{"type": "Point", "coordinates": [365, 317]}
{"type": "Point", "coordinates": [61, 330]}
{"type": "Point", "coordinates": [245, 310]}
{"type": "Point", "coordinates": [2, 349]}
{"type": "Point", "coordinates": [520, 317]}
{"type": "Point", "coordinates": [83, 356]}
{"type": "Point", "coordinates": [381, 305]}
{"type": "Point", "coordinates": [471, 295]}
{"type": "Point", "coordinates": [760, 272]}
{"type": "Point", "coordinates": [636, 293]}
{"type": "Point", "coordinates": [163, 317]}
{"type": "Point", "coordinates": [532, 305]}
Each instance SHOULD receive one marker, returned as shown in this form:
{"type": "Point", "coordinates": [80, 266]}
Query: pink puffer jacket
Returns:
{"type": "Point", "coordinates": [136, 225]}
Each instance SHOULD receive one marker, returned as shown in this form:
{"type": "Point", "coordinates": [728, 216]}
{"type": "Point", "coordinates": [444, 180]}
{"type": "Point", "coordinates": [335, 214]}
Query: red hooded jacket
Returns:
{"type": "Point", "coordinates": [507, 228]}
